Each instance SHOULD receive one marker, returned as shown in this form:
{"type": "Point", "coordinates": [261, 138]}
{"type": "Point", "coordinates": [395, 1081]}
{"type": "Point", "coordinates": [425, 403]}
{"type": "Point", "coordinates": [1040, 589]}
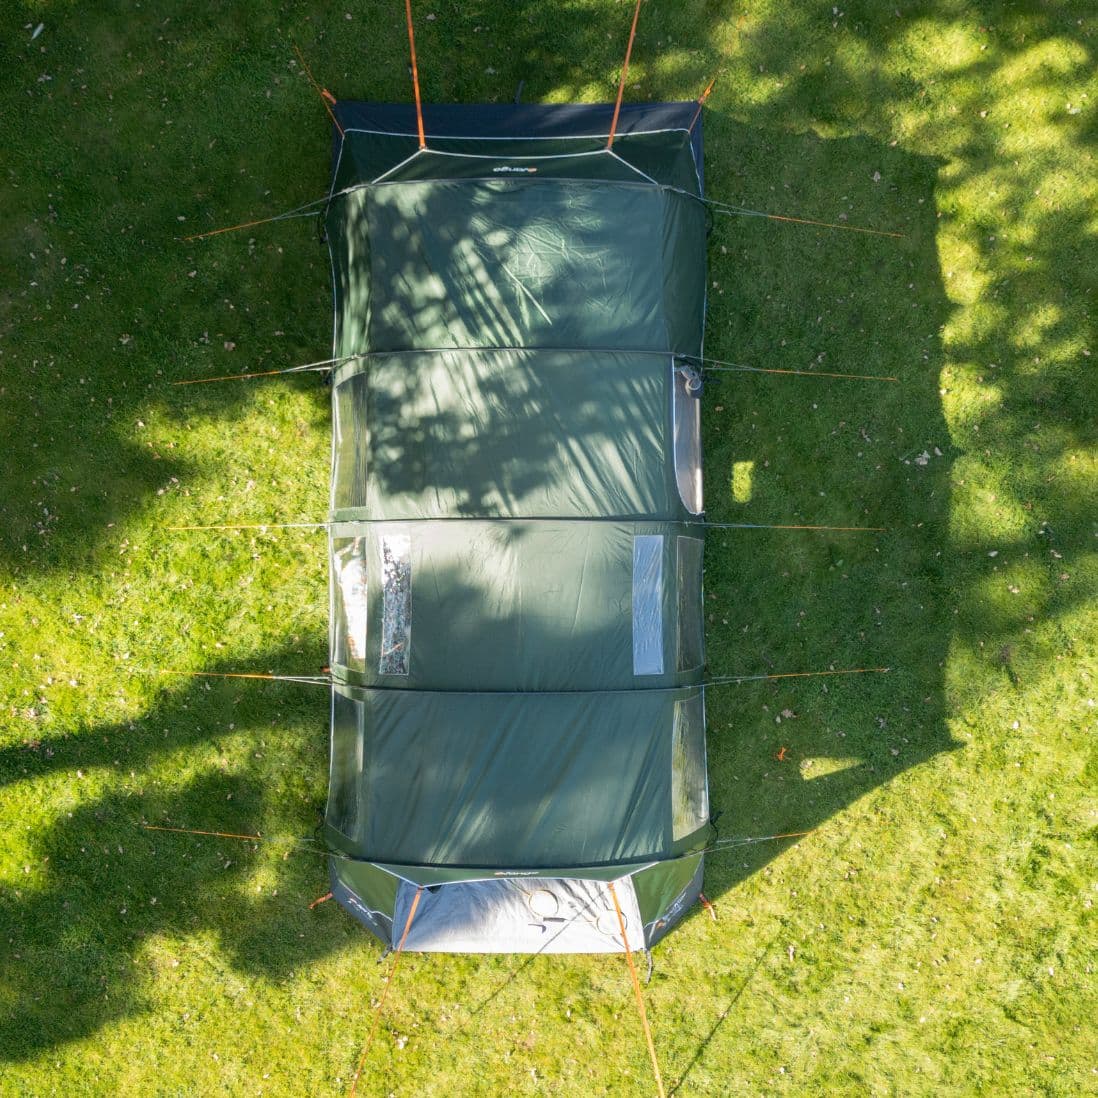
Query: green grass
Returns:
{"type": "Point", "coordinates": [935, 932]}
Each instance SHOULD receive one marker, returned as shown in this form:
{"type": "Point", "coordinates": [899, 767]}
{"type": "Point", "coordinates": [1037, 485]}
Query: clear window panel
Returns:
{"type": "Point", "coordinates": [689, 787]}
{"type": "Point", "coordinates": [648, 604]}
{"type": "Point", "coordinates": [687, 443]}
{"type": "Point", "coordinates": [349, 603]}
{"type": "Point", "coordinates": [691, 630]}
{"type": "Point", "coordinates": [344, 811]}
{"type": "Point", "coordinates": [349, 444]}
{"type": "Point", "coordinates": [396, 598]}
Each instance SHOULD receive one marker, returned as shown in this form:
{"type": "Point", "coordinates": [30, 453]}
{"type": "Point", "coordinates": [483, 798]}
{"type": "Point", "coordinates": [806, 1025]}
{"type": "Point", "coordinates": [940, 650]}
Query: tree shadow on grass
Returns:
{"type": "Point", "coordinates": [785, 297]}
{"type": "Point", "coordinates": [109, 907]}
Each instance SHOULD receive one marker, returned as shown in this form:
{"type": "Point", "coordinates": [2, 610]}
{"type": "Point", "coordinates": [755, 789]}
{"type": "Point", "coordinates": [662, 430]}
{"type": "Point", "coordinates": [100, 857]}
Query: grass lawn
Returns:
{"type": "Point", "coordinates": [935, 931]}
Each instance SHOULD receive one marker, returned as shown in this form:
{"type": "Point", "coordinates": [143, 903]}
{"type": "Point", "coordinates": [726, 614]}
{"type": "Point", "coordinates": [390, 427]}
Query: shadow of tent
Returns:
{"type": "Point", "coordinates": [790, 296]}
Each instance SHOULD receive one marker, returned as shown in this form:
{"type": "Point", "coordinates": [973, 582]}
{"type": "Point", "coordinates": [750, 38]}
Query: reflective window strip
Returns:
{"type": "Point", "coordinates": [396, 608]}
{"type": "Point", "coordinates": [648, 604]}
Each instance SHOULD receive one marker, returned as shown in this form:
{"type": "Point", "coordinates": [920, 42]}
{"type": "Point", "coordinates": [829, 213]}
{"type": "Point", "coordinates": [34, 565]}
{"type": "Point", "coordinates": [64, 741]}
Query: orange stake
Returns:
{"type": "Point", "coordinates": [415, 74]}
{"type": "Point", "coordinates": [319, 900]}
{"type": "Point", "coordinates": [385, 990]}
{"type": "Point", "coordinates": [637, 990]}
{"type": "Point", "coordinates": [326, 96]}
{"type": "Point", "coordinates": [624, 72]}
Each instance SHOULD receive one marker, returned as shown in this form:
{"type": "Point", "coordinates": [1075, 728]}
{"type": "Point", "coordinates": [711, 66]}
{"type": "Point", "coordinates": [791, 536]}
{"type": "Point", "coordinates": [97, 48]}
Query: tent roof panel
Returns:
{"type": "Point", "coordinates": [503, 780]}
{"type": "Point", "coordinates": [517, 261]}
{"type": "Point", "coordinates": [509, 433]}
{"type": "Point", "coordinates": [515, 605]}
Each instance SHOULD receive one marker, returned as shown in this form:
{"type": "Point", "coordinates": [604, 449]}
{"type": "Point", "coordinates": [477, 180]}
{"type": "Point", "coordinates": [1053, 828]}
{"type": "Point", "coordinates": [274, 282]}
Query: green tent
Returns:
{"type": "Point", "coordinates": [516, 554]}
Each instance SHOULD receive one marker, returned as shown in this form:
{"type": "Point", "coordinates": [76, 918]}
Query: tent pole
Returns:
{"type": "Point", "coordinates": [637, 989]}
{"type": "Point", "coordinates": [624, 72]}
{"type": "Point", "coordinates": [415, 74]}
{"type": "Point", "coordinates": [385, 991]}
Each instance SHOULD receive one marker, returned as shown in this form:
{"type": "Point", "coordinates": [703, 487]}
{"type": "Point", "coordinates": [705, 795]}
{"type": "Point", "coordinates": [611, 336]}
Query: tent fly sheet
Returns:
{"type": "Point", "coordinates": [516, 558]}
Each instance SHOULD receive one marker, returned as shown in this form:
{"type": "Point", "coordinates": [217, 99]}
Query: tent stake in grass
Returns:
{"type": "Point", "coordinates": [385, 990]}
{"type": "Point", "coordinates": [637, 992]}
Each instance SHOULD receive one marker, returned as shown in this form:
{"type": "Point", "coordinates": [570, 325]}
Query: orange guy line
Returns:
{"type": "Point", "coordinates": [234, 228]}
{"type": "Point", "coordinates": [324, 94]}
{"type": "Point", "coordinates": [195, 831]}
{"type": "Point", "coordinates": [624, 72]}
{"type": "Point", "coordinates": [637, 991]}
{"type": "Point", "coordinates": [832, 225]}
{"type": "Point", "coordinates": [701, 103]}
{"type": "Point", "coordinates": [222, 674]}
{"type": "Point", "coordinates": [415, 74]}
{"type": "Point", "coordinates": [385, 990]}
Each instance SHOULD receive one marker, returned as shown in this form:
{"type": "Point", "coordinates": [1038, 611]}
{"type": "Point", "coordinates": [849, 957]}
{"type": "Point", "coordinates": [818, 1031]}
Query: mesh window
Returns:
{"type": "Point", "coordinates": [689, 790]}
{"type": "Point", "coordinates": [349, 603]}
{"type": "Point", "coordinates": [349, 444]}
{"type": "Point", "coordinates": [688, 450]}
{"type": "Point", "coordinates": [396, 610]}
{"type": "Point", "coordinates": [648, 604]}
{"type": "Point", "coordinates": [345, 811]}
{"type": "Point", "coordinates": [688, 566]}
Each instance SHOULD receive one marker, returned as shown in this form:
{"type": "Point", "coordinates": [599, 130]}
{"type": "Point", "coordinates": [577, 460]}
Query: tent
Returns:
{"type": "Point", "coordinates": [516, 553]}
